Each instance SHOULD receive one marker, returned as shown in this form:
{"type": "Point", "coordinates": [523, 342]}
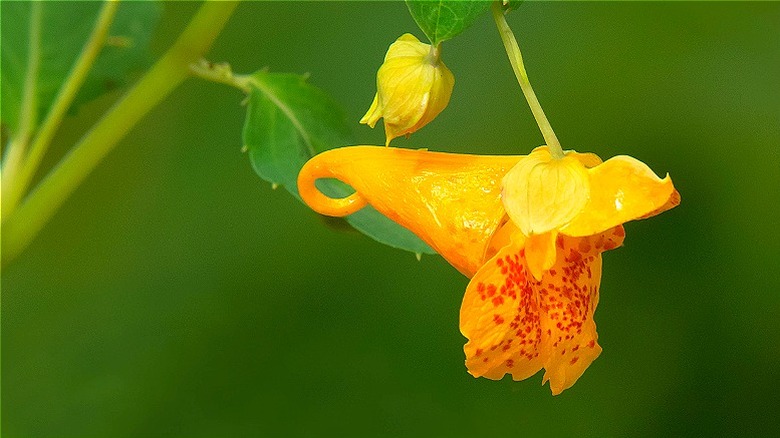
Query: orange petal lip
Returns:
{"type": "Point", "coordinates": [622, 189]}
{"type": "Point", "coordinates": [518, 325]}
{"type": "Point", "coordinates": [451, 201]}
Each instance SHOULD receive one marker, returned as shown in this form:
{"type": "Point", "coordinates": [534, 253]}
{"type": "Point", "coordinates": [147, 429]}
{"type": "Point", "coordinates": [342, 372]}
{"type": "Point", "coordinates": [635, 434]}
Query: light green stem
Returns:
{"type": "Point", "coordinates": [220, 73]}
{"type": "Point", "coordinates": [169, 71]}
{"type": "Point", "coordinates": [516, 59]}
{"type": "Point", "coordinates": [17, 186]}
{"type": "Point", "coordinates": [28, 111]}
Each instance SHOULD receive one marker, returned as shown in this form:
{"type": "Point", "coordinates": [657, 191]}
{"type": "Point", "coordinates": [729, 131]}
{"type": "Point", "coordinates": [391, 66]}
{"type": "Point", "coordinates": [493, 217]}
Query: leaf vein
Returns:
{"type": "Point", "coordinates": [288, 112]}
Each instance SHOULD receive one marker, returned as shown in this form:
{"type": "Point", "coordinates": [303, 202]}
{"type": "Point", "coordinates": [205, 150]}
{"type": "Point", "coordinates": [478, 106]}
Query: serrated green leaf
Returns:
{"type": "Point", "coordinates": [288, 122]}
{"type": "Point", "coordinates": [64, 28]}
{"type": "Point", "coordinates": [441, 20]}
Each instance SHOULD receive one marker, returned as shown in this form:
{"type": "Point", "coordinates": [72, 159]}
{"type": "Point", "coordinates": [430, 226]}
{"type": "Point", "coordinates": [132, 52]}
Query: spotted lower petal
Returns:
{"type": "Point", "coordinates": [622, 189]}
{"type": "Point", "coordinates": [518, 325]}
{"type": "Point", "coordinates": [568, 296]}
{"type": "Point", "coordinates": [451, 201]}
{"type": "Point", "coordinates": [500, 317]}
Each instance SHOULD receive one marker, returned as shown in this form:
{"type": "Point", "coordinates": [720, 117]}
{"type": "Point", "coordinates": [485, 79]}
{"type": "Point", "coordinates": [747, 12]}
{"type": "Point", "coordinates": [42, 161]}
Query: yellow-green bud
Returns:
{"type": "Point", "coordinates": [413, 87]}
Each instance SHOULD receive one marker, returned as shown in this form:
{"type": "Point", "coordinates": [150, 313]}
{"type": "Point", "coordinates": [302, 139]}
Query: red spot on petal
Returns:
{"type": "Point", "coordinates": [592, 343]}
{"type": "Point", "coordinates": [498, 319]}
{"type": "Point", "coordinates": [574, 360]}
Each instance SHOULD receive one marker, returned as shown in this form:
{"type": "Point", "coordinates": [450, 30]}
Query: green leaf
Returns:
{"type": "Point", "coordinates": [442, 19]}
{"type": "Point", "coordinates": [289, 121]}
{"type": "Point", "coordinates": [64, 28]}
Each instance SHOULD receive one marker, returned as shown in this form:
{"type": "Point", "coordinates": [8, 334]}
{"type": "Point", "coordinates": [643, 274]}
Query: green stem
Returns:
{"type": "Point", "coordinates": [156, 84]}
{"type": "Point", "coordinates": [28, 111]}
{"type": "Point", "coordinates": [516, 59]}
{"type": "Point", "coordinates": [220, 73]}
{"type": "Point", "coordinates": [18, 185]}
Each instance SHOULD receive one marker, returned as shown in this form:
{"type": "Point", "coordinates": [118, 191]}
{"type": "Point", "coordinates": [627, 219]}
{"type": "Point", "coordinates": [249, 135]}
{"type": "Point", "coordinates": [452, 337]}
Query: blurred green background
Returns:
{"type": "Point", "coordinates": [177, 294]}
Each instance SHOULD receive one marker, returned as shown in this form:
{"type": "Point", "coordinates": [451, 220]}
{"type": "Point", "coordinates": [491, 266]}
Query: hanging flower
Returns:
{"type": "Point", "coordinates": [528, 231]}
{"type": "Point", "coordinates": [413, 87]}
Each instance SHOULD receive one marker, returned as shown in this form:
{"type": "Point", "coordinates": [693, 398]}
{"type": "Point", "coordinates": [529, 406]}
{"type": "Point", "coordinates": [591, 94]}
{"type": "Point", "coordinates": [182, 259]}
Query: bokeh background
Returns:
{"type": "Point", "coordinates": [177, 294]}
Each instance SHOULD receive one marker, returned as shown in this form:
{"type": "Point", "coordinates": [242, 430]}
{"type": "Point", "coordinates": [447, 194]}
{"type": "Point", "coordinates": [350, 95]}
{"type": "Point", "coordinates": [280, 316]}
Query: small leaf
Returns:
{"type": "Point", "coordinates": [442, 20]}
{"type": "Point", "coordinates": [289, 121]}
{"type": "Point", "coordinates": [64, 28]}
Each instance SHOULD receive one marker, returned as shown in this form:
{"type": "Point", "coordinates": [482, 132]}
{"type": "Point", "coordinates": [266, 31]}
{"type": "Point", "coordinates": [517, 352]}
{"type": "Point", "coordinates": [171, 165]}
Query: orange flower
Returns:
{"type": "Point", "coordinates": [529, 231]}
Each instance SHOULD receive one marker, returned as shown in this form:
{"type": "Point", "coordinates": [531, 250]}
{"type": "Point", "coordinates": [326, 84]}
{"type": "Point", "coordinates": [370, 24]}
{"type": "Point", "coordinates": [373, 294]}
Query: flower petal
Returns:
{"type": "Point", "coordinates": [373, 114]}
{"type": "Point", "coordinates": [502, 237]}
{"type": "Point", "coordinates": [500, 317]}
{"type": "Point", "coordinates": [673, 201]}
{"type": "Point", "coordinates": [439, 95]}
{"type": "Point", "coordinates": [569, 293]}
{"type": "Point", "coordinates": [541, 194]}
{"type": "Point", "coordinates": [540, 252]}
{"type": "Point", "coordinates": [451, 201]}
{"type": "Point", "coordinates": [588, 159]}
{"type": "Point", "coordinates": [622, 189]}
{"type": "Point", "coordinates": [517, 325]}
{"type": "Point", "coordinates": [404, 86]}
{"type": "Point", "coordinates": [407, 45]}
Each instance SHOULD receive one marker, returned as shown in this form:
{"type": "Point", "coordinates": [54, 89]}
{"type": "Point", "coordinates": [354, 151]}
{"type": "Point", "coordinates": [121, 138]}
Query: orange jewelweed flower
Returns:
{"type": "Point", "coordinates": [413, 87]}
{"type": "Point", "coordinates": [529, 232]}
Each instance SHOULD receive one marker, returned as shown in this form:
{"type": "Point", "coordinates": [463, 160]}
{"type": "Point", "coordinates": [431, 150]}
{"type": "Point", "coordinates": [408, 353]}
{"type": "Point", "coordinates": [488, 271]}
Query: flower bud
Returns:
{"type": "Point", "coordinates": [413, 87]}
